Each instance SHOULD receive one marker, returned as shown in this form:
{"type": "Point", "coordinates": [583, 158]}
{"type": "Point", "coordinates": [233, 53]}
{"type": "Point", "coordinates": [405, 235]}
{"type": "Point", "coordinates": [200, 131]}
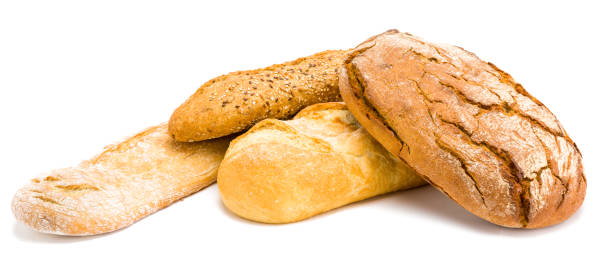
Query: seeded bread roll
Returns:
{"type": "Point", "coordinates": [467, 127]}
{"type": "Point", "coordinates": [234, 102]}
{"type": "Point", "coordinates": [123, 184]}
{"type": "Point", "coordinates": [286, 171]}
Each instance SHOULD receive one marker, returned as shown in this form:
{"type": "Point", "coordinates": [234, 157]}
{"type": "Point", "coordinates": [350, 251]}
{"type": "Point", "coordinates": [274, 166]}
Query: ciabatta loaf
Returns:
{"type": "Point", "coordinates": [123, 184]}
{"type": "Point", "coordinates": [286, 171]}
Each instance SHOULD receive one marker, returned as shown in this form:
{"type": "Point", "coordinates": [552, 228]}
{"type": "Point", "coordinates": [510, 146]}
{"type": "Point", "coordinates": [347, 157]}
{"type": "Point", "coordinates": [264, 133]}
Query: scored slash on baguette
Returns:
{"type": "Point", "coordinates": [234, 102]}
{"type": "Point", "coordinates": [123, 184]}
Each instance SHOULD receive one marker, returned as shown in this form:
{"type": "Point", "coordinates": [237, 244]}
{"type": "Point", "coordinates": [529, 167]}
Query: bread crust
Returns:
{"type": "Point", "coordinates": [121, 185]}
{"type": "Point", "coordinates": [286, 171]}
{"type": "Point", "coordinates": [234, 102]}
{"type": "Point", "coordinates": [467, 127]}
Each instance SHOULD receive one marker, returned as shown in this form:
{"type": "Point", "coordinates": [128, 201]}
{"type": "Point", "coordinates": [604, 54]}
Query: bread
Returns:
{"type": "Point", "coordinates": [286, 171]}
{"type": "Point", "coordinates": [467, 127]}
{"type": "Point", "coordinates": [234, 102]}
{"type": "Point", "coordinates": [123, 184]}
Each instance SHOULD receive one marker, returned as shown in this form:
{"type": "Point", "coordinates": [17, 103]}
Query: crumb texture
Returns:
{"type": "Point", "coordinates": [286, 171]}
{"type": "Point", "coordinates": [123, 184]}
{"type": "Point", "coordinates": [236, 101]}
{"type": "Point", "coordinates": [467, 127]}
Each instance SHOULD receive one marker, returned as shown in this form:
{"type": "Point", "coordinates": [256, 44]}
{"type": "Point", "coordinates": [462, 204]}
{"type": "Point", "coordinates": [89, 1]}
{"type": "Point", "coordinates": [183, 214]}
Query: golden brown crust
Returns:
{"type": "Point", "coordinates": [286, 171]}
{"type": "Point", "coordinates": [123, 184]}
{"type": "Point", "coordinates": [467, 128]}
{"type": "Point", "coordinates": [234, 102]}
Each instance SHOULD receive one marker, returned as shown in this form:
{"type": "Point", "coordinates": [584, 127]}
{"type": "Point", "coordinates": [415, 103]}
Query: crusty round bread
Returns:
{"type": "Point", "coordinates": [234, 102]}
{"type": "Point", "coordinates": [123, 184]}
{"type": "Point", "coordinates": [467, 128]}
{"type": "Point", "coordinates": [286, 171]}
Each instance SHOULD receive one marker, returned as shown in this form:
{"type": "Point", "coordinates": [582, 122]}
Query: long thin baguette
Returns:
{"type": "Point", "coordinates": [123, 184]}
{"type": "Point", "coordinates": [286, 171]}
{"type": "Point", "coordinates": [234, 102]}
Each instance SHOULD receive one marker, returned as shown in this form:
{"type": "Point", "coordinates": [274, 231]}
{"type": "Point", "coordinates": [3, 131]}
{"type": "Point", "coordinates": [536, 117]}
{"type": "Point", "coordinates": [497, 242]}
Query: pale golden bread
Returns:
{"type": "Point", "coordinates": [234, 102]}
{"type": "Point", "coordinates": [467, 128]}
{"type": "Point", "coordinates": [286, 171]}
{"type": "Point", "coordinates": [123, 184]}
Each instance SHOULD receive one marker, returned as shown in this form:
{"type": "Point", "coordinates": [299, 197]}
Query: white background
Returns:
{"type": "Point", "coordinates": [76, 76]}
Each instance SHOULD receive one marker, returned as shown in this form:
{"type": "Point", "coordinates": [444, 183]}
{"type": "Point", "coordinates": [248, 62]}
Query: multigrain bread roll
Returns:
{"type": "Point", "coordinates": [234, 102]}
{"type": "Point", "coordinates": [467, 127]}
{"type": "Point", "coordinates": [123, 184]}
{"type": "Point", "coordinates": [286, 171]}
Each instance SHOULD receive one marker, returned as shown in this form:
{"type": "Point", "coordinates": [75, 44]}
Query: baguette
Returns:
{"type": "Point", "coordinates": [467, 127]}
{"type": "Point", "coordinates": [286, 171]}
{"type": "Point", "coordinates": [234, 102]}
{"type": "Point", "coordinates": [123, 184]}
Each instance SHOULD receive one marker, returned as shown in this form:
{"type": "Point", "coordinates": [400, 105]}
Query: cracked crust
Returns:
{"type": "Point", "coordinates": [467, 128]}
{"type": "Point", "coordinates": [286, 171]}
{"type": "Point", "coordinates": [234, 102]}
{"type": "Point", "coordinates": [123, 184]}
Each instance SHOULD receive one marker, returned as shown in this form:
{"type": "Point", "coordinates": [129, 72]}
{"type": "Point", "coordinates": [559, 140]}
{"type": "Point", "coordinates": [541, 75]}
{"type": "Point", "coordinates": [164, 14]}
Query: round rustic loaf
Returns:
{"type": "Point", "coordinates": [467, 127]}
